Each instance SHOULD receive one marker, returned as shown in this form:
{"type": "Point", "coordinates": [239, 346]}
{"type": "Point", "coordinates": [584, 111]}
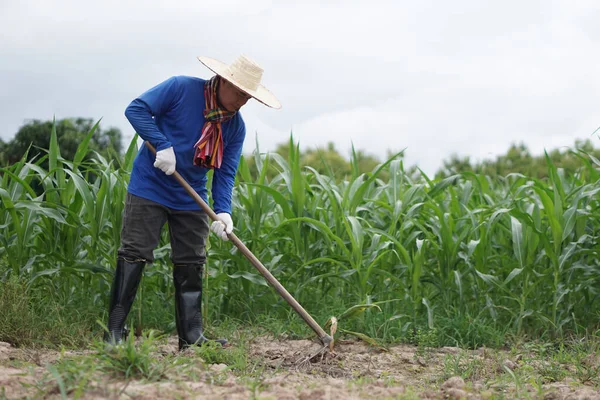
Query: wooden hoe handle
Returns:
{"type": "Point", "coordinates": [324, 337]}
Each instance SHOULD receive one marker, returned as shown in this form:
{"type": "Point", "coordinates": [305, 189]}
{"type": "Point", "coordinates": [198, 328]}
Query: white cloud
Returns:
{"type": "Point", "coordinates": [436, 77]}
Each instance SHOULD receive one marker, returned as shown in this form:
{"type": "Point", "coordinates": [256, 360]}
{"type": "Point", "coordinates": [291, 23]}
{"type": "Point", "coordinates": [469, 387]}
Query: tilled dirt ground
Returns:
{"type": "Point", "coordinates": [284, 369]}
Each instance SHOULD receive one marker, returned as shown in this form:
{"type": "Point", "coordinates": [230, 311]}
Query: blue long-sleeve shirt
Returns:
{"type": "Point", "coordinates": [172, 114]}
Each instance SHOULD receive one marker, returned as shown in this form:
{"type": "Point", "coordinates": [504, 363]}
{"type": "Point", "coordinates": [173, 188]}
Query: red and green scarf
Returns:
{"type": "Point", "coordinates": [209, 149]}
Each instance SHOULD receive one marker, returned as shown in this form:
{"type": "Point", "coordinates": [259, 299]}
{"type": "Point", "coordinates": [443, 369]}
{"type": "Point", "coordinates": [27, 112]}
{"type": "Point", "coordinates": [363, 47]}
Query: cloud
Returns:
{"type": "Point", "coordinates": [468, 77]}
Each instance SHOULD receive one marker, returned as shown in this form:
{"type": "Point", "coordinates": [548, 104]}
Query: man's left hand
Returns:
{"type": "Point", "coordinates": [223, 226]}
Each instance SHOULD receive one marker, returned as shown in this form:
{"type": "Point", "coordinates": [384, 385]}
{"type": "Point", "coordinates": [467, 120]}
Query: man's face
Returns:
{"type": "Point", "coordinates": [230, 96]}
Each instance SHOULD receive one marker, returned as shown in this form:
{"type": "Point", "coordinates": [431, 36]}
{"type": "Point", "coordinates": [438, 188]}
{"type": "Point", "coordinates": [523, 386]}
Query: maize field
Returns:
{"type": "Point", "coordinates": [468, 258]}
{"type": "Point", "coordinates": [459, 264]}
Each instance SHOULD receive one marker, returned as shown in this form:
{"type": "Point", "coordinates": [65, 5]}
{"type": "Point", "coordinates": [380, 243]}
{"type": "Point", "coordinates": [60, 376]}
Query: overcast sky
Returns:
{"type": "Point", "coordinates": [434, 77]}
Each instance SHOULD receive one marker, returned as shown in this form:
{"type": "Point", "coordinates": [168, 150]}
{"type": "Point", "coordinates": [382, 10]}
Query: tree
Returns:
{"type": "Point", "coordinates": [70, 132]}
{"type": "Point", "coordinates": [518, 159]}
{"type": "Point", "coordinates": [367, 162]}
{"type": "Point", "coordinates": [455, 165]}
{"type": "Point", "coordinates": [327, 161]}
{"type": "Point", "coordinates": [3, 153]}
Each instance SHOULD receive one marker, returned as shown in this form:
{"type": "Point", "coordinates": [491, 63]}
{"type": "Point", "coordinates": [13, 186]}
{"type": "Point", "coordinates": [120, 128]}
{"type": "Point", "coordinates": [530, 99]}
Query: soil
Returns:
{"type": "Point", "coordinates": [297, 369]}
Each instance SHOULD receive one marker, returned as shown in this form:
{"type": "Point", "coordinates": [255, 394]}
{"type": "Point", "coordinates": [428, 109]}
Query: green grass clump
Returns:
{"type": "Point", "coordinates": [31, 317]}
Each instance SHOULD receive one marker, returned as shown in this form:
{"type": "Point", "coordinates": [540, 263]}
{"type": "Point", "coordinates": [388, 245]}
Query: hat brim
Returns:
{"type": "Point", "coordinates": [261, 93]}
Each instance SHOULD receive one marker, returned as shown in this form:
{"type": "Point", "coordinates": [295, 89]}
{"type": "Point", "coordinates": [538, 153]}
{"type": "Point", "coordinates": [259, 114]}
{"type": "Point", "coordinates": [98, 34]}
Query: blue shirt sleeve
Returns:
{"type": "Point", "coordinates": [153, 103]}
{"type": "Point", "coordinates": [224, 177]}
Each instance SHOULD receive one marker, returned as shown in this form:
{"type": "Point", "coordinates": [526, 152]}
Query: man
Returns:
{"type": "Point", "coordinates": [195, 126]}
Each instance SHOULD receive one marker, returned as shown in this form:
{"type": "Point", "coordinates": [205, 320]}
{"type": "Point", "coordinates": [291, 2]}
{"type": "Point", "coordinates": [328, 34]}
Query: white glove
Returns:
{"type": "Point", "coordinates": [223, 226]}
{"type": "Point", "coordinates": [165, 160]}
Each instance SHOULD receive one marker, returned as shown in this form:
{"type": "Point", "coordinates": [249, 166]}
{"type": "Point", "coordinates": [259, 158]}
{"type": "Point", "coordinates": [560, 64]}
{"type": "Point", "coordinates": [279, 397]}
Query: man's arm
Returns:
{"type": "Point", "coordinates": [154, 102]}
{"type": "Point", "coordinates": [224, 177]}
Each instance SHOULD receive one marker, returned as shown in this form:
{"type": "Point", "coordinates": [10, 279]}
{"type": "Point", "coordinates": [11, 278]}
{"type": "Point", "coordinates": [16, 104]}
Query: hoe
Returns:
{"type": "Point", "coordinates": [326, 340]}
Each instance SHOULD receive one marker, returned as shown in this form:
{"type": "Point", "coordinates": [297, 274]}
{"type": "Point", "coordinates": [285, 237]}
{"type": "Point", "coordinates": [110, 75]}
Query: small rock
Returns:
{"type": "Point", "coordinates": [218, 367]}
{"type": "Point", "coordinates": [429, 395]}
{"type": "Point", "coordinates": [510, 365]}
{"type": "Point", "coordinates": [457, 394]}
{"type": "Point", "coordinates": [316, 394]}
{"type": "Point", "coordinates": [274, 381]}
{"type": "Point", "coordinates": [5, 351]}
{"type": "Point", "coordinates": [455, 382]}
{"type": "Point", "coordinates": [584, 394]}
{"type": "Point", "coordinates": [336, 382]}
{"type": "Point", "coordinates": [591, 360]}
{"type": "Point", "coordinates": [450, 350]}
{"type": "Point", "coordinates": [552, 396]}
{"type": "Point", "coordinates": [229, 382]}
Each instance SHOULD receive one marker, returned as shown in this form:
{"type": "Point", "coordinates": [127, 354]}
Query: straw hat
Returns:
{"type": "Point", "coordinates": [246, 75]}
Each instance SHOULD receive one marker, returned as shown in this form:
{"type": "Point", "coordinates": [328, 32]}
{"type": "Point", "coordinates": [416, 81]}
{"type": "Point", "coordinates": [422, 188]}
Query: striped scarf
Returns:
{"type": "Point", "coordinates": [209, 149]}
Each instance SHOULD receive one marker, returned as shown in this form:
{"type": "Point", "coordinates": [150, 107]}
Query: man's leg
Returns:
{"type": "Point", "coordinates": [142, 223]}
{"type": "Point", "coordinates": [189, 231]}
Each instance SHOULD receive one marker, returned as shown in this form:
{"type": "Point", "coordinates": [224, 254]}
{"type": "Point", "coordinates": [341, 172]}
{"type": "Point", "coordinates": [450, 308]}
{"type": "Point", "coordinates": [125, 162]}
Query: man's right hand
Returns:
{"type": "Point", "coordinates": [165, 160]}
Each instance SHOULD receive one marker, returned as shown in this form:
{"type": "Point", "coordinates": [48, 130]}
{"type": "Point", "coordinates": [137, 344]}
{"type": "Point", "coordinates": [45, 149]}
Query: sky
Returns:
{"type": "Point", "coordinates": [432, 78]}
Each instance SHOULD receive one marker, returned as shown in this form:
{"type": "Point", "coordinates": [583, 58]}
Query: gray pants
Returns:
{"type": "Point", "coordinates": [142, 224]}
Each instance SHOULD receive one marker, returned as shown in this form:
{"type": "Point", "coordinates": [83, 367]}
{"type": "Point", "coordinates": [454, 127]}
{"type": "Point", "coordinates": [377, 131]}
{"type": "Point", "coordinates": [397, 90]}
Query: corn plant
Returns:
{"type": "Point", "coordinates": [462, 256]}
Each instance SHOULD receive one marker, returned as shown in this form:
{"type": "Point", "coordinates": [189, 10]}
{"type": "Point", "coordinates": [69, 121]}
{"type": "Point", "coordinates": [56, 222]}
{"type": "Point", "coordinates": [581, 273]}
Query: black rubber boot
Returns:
{"type": "Point", "coordinates": [124, 287]}
{"type": "Point", "coordinates": [188, 300]}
